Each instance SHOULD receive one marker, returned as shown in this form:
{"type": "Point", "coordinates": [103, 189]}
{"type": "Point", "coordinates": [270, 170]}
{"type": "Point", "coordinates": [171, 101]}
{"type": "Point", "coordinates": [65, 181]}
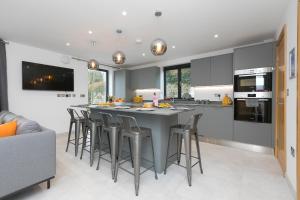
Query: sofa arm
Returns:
{"type": "Point", "coordinates": [26, 160]}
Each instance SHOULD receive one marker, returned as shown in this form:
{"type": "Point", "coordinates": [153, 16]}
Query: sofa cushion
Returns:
{"type": "Point", "coordinates": [2, 114]}
{"type": "Point", "coordinates": [8, 129]}
{"type": "Point", "coordinates": [26, 126]}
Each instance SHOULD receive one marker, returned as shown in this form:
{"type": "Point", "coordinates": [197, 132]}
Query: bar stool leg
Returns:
{"type": "Point", "coordinates": [167, 156]}
{"type": "Point", "coordinates": [130, 151]}
{"type": "Point", "coordinates": [179, 147]}
{"type": "Point", "coordinates": [100, 145]}
{"type": "Point", "coordinates": [137, 162]}
{"type": "Point", "coordinates": [92, 146]}
{"type": "Point", "coordinates": [114, 149]}
{"type": "Point", "coordinates": [153, 154]}
{"type": "Point", "coordinates": [69, 136]}
{"type": "Point", "coordinates": [119, 157]}
{"type": "Point", "coordinates": [77, 136]}
{"type": "Point", "coordinates": [84, 133]}
{"type": "Point", "coordinates": [187, 144]}
{"type": "Point", "coordinates": [198, 152]}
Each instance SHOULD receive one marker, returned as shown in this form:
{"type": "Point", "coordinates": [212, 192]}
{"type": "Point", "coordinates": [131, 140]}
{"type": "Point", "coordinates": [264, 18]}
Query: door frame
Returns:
{"type": "Point", "coordinates": [298, 103]}
{"type": "Point", "coordinates": [283, 35]}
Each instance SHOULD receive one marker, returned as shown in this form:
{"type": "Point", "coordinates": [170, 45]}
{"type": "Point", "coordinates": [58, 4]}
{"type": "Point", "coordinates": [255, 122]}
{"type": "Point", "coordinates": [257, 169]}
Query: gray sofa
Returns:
{"type": "Point", "coordinates": [27, 159]}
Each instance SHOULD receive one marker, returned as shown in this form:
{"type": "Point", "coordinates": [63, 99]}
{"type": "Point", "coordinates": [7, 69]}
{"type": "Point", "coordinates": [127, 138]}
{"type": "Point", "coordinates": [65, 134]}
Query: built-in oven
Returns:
{"type": "Point", "coordinates": [253, 107]}
{"type": "Point", "coordinates": [253, 80]}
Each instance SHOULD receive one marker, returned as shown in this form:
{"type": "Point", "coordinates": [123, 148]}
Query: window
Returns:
{"type": "Point", "coordinates": [177, 81]}
{"type": "Point", "coordinates": [98, 86]}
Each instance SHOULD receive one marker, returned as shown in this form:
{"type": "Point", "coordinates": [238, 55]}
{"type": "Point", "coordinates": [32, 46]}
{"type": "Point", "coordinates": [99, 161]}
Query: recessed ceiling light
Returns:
{"type": "Point", "coordinates": [68, 44]}
{"type": "Point", "coordinates": [143, 54]}
{"type": "Point", "coordinates": [90, 32]}
{"type": "Point", "coordinates": [124, 13]}
{"type": "Point", "coordinates": [173, 46]}
{"type": "Point", "coordinates": [138, 41]}
{"type": "Point", "coordinates": [216, 36]}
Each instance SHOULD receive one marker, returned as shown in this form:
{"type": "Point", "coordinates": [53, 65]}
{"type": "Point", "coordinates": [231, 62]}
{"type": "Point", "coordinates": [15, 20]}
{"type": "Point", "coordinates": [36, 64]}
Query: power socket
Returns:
{"type": "Point", "coordinates": [293, 151]}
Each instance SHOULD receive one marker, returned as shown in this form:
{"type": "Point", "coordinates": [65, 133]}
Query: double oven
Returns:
{"type": "Point", "coordinates": [253, 95]}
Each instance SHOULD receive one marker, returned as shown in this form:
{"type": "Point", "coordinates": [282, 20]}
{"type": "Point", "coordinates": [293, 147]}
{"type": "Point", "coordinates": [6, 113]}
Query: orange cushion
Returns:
{"type": "Point", "coordinates": [8, 129]}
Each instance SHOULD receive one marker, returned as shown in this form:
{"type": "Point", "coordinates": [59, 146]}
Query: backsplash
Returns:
{"type": "Point", "coordinates": [148, 93]}
{"type": "Point", "coordinates": [211, 92]}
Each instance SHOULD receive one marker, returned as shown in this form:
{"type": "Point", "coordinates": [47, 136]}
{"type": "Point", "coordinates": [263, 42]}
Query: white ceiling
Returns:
{"type": "Point", "coordinates": [188, 24]}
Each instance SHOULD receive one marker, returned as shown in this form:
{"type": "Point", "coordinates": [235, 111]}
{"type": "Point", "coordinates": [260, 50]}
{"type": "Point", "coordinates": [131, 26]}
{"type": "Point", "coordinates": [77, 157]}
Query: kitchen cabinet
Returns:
{"type": "Point", "coordinates": [257, 56]}
{"type": "Point", "coordinates": [122, 84]}
{"type": "Point", "coordinates": [145, 78]}
{"type": "Point", "coordinates": [217, 70]}
{"type": "Point", "coordinates": [222, 69]}
{"type": "Point", "coordinates": [253, 133]}
{"type": "Point", "coordinates": [216, 122]}
{"type": "Point", "coordinates": [201, 72]}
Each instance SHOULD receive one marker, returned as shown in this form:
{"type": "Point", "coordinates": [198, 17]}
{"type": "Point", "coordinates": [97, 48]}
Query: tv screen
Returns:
{"type": "Point", "coordinates": [45, 77]}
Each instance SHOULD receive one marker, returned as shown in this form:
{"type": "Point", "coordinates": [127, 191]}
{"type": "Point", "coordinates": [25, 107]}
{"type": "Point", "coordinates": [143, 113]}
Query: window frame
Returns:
{"type": "Point", "coordinates": [178, 68]}
{"type": "Point", "coordinates": [107, 80]}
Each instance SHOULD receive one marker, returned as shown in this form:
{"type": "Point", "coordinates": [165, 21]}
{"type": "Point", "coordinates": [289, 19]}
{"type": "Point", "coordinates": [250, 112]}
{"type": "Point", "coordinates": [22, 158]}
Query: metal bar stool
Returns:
{"type": "Point", "coordinates": [130, 129]}
{"type": "Point", "coordinates": [112, 130]}
{"type": "Point", "coordinates": [78, 121]}
{"type": "Point", "coordinates": [94, 127]}
{"type": "Point", "coordinates": [185, 131]}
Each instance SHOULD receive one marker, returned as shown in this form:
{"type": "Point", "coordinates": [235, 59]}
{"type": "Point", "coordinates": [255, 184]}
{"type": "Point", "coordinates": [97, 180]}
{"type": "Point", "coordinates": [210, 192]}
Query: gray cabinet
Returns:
{"type": "Point", "coordinates": [145, 78]}
{"type": "Point", "coordinates": [217, 70]}
{"type": "Point", "coordinates": [122, 84]}
{"type": "Point", "coordinates": [216, 122]}
{"type": "Point", "coordinates": [222, 70]}
{"type": "Point", "coordinates": [253, 133]}
{"type": "Point", "coordinates": [201, 72]}
{"type": "Point", "coordinates": [256, 56]}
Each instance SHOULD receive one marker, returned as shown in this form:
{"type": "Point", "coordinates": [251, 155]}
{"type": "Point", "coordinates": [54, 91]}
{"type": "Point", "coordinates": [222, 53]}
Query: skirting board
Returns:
{"type": "Point", "coordinates": [238, 145]}
{"type": "Point", "coordinates": [293, 191]}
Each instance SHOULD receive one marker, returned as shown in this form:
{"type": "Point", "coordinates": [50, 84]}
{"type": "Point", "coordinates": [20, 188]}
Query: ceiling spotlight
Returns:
{"type": "Point", "coordinates": [119, 31]}
{"type": "Point", "coordinates": [216, 36]}
{"type": "Point", "coordinates": [68, 44]}
{"type": "Point", "coordinates": [93, 64]}
{"type": "Point", "coordinates": [173, 46]}
{"type": "Point", "coordinates": [138, 41]}
{"type": "Point", "coordinates": [90, 32]}
{"type": "Point", "coordinates": [158, 47]}
{"type": "Point", "coordinates": [119, 57]}
{"type": "Point", "coordinates": [158, 13]}
{"type": "Point", "coordinates": [143, 54]}
{"type": "Point", "coordinates": [124, 13]}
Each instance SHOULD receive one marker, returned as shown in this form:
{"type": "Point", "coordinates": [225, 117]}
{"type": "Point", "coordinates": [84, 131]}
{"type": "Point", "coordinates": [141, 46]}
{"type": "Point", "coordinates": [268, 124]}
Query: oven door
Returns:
{"type": "Point", "coordinates": [253, 82]}
{"type": "Point", "coordinates": [253, 110]}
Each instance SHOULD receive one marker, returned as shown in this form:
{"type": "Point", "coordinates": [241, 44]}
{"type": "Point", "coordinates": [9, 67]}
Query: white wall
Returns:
{"type": "Point", "coordinates": [290, 19]}
{"type": "Point", "coordinates": [43, 106]}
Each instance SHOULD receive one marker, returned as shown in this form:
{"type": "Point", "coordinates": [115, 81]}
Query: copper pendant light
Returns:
{"type": "Point", "coordinates": [93, 64]}
{"type": "Point", "coordinates": [158, 47]}
{"type": "Point", "coordinates": [119, 58]}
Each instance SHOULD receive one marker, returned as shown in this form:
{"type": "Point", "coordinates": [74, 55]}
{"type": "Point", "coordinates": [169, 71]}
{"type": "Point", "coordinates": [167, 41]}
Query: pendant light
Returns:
{"type": "Point", "coordinates": [158, 47]}
{"type": "Point", "coordinates": [119, 58]}
{"type": "Point", "coordinates": [93, 64]}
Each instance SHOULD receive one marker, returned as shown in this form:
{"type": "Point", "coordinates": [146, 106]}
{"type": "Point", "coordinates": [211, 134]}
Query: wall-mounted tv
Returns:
{"type": "Point", "coordinates": [46, 77]}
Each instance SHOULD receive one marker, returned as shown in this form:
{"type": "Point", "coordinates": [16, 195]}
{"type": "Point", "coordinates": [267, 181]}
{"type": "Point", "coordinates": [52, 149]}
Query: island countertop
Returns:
{"type": "Point", "coordinates": [155, 111]}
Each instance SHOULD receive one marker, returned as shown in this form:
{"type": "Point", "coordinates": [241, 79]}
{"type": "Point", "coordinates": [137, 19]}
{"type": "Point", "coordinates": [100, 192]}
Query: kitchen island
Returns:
{"type": "Point", "coordinates": [159, 120]}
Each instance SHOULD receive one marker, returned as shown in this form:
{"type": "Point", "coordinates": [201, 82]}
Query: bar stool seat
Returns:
{"type": "Point", "coordinates": [130, 129]}
{"type": "Point", "coordinates": [184, 132]}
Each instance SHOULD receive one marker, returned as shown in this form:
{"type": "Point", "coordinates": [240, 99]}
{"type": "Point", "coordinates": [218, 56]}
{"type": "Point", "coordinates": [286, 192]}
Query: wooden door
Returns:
{"type": "Point", "coordinates": [280, 146]}
{"type": "Point", "coordinates": [298, 107]}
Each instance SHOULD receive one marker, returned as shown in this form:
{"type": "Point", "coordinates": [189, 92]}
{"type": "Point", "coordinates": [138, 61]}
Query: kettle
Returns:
{"type": "Point", "coordinates": [226, 100]}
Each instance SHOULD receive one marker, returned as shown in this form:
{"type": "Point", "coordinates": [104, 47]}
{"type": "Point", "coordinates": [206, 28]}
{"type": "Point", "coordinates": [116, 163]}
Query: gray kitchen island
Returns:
{"type": "Point", "coordinates": [159, 120]}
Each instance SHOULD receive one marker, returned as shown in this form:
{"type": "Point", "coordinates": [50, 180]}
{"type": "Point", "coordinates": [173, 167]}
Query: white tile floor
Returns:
{"type": "Point", "coordinates": [228, 174]}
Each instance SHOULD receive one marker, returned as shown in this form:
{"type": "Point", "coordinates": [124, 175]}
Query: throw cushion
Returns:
{"type": "Point", "coordinates": [8, 117]}
{"type": "Point", "coordinates": [27, 126]}
{"type": "Point", "coordinates": [8, 129]}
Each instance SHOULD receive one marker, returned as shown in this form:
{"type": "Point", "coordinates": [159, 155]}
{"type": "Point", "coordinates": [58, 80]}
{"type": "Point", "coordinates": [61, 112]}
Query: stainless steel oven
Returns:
{"type": "Point", "coordinates": [253, 80]}
{"type": "Point", "coordinates": [253, 107]}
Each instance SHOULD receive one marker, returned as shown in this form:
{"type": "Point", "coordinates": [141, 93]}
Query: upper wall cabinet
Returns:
{"type": "Point", "coordinates": [222, 70]}
{"type": "Point", "coordinates": [122, 84]}
{"type": "Point", "coordinates": [145, 78]}
{"type": "Point", "coordinates": [217, 70]}
{"type": "Point", "coordinates": [257, 56]}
